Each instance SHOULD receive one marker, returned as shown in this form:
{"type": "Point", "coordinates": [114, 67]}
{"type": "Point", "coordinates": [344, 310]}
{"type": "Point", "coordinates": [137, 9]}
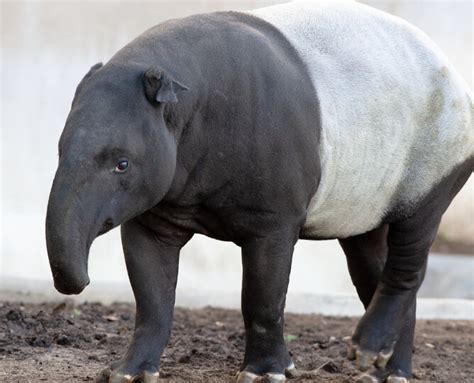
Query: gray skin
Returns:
{"type": "Point", "coordinates": [182, 132]}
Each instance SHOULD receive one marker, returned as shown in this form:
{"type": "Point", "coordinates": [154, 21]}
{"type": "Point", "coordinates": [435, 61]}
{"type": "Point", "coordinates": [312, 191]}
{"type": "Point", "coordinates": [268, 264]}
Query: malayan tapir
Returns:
{"type": "Point", "coordinates": [303, 120]}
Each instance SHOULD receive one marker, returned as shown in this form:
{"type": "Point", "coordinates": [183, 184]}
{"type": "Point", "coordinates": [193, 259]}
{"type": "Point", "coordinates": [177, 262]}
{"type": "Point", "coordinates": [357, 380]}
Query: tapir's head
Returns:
{"type": "Point", "coordinates": [117, 159]}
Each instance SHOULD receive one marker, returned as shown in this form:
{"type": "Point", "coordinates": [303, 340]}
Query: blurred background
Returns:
{"type": "Point", "coordinates": [47, 47]}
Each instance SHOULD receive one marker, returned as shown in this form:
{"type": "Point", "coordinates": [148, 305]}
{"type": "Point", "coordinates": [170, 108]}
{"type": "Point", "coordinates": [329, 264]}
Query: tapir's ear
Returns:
{"type": "Point", "coordinates": [88, 75]}
{"type": "Point", "coordinates": [93, 69]}
{"type": "Point", "coordinates": [160, 87]}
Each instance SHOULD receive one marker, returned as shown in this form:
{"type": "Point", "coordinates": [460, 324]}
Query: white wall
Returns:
{"type": "Point", "coordinates": [47, 47]}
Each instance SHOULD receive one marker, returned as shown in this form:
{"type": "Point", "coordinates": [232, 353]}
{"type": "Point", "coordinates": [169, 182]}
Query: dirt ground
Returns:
{"type": "Point", "coordinates": [59, 342]}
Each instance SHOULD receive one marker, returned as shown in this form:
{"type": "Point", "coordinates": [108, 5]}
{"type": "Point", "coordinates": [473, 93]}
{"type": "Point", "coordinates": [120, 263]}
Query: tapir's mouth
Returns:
{"type": "Point", "coordinates": [71, 277]}
{"type": "Point", "coordinates": [69, 287]}
{"type": "Point", "coordinates": [70, 269]}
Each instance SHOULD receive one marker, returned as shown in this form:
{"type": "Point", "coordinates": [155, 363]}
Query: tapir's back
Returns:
{"type": "Point", "coordinates": [396, 118]}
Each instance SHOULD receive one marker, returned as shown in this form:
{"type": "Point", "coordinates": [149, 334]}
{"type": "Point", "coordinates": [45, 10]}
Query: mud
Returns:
{"type": "Point", "coordinates": [63, 342]}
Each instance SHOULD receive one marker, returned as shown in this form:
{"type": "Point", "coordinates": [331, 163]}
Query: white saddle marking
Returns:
{"type": "Point", "coordinates": [396, 117]}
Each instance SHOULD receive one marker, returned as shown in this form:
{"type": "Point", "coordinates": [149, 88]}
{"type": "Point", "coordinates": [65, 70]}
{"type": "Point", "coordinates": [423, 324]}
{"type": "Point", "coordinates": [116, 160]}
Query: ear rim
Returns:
{"type": "Point", "coordinates": [160, 87]}
{"type": "Point", "coordinates": [94, 68]}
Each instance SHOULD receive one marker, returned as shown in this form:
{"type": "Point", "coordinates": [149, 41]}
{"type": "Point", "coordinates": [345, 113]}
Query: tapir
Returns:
{"type": "Point", "coordinates": [318, 120]}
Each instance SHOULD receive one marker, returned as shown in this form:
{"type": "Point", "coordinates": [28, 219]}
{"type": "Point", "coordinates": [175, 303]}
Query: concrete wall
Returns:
{"type": "Point", "coordinates": [46, 48]}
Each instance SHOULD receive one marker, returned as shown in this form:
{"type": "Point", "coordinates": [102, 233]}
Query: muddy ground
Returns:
{"type": "Point", "coordinates": [63, 342]}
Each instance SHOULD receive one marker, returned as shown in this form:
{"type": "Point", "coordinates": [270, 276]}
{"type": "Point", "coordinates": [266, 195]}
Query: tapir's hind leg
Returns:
{"type": "Point", "coordinates": [390, 315]}
{"type": "Point", "coordinates": [366, 256]}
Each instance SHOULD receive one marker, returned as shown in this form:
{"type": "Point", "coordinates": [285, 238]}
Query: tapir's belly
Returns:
{"type": "Point", "coordinates": [395, 116]}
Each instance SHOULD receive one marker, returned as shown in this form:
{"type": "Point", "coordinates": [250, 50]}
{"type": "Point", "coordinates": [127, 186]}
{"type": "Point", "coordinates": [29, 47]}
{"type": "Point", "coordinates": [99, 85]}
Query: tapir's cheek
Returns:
{"type": "Point", "coordinates": [124, 184]}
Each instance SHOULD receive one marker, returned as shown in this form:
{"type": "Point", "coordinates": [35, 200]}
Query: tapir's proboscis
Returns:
{"type": "Point", "coordinates": [321, 120]}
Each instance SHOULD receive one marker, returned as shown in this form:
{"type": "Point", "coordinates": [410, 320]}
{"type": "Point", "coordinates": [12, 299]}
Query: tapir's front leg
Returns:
{"type": "Point", "coordinates": [266, 269]}
{"type": "Point", "coordinates": [153, 269]}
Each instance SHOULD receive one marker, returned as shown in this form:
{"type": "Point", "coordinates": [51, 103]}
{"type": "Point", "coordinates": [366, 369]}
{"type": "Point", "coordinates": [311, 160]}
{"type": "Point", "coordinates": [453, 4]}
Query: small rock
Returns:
{"type": "Point", "coordinates": [39, 342]}
{"type": "Point", "coordinates": [99, 336]}
{"type": "Point", "coordinates": [428, 365]}
{"type": "Point", "coordinates": [429, 345]}
{"type": "Point", "coordinates": [331, 367]}
{"type": "Point", "coordinates": [60, 307]}
{"type": "Point", "coordinates": [63, 340]}
{"type": "Point", "coordinates": [14, 316]}
{"type": "Point", "coordinates": [122, 330]}
{"type": "Point", "coordinates": [219, 349]}
{"type": "Point", "coordinates": [185, 359]}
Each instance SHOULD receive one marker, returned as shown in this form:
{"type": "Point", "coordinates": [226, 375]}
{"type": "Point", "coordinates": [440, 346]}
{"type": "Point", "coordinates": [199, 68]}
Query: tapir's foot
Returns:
{"type": "Point", "coordinates": [379, 368]}
{"type": "Point", "coordinates": [366, 358]}
{"type": "Point", "coordinates": [375, 375]}
{"type": "Point", "coordinates": [265, 377]}
{"type": "Point", "coordinates": [269, 377]}
{"type": "Point", "coordinates": [374, 340]}
{"type": "Point", "coordinates": [118, 374]}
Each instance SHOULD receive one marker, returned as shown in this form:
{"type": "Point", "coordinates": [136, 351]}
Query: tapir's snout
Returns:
{"type": "Point", "coordinates": [68, 238]}
{"type": "Point", "coordinates": [70, 284]}
{"type": "Point", "coordinates": [68, 266]}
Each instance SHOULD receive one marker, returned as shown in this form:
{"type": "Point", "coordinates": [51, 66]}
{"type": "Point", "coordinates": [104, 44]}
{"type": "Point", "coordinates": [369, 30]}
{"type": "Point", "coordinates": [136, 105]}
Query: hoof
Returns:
{"type": "Point", "coordinates": [377, 375]}
{"type": "Point", "coordinates": [149, 377]}
{"type": "Point", "coordinates": [367, 378]}
{"type": "Point", "coordinates": [108, 376]}
{"type": "Point", "coordinates": [291, 371]}
{"type": "Point", "coordinates": [116, 377]}
{"type": "Point", "coordinates": [351, 352]}
{"type": "Point", "coordinates": [397, 379]}
{"type": "Point", "coordinates": [246, 377]}
{"type": "Point", "coordinates": [366, 359]}
{"type": "Point", "coordinates": [274, 378]}
{"type": "Point", "coordinates": [250, 377]}
{"type": "Point", "coordinates": [383, 358]}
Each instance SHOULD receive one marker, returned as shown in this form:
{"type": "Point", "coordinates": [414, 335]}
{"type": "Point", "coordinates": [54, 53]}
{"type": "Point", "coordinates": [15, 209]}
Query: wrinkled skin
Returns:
{"type": "Point", "coordinates": [160, 142]}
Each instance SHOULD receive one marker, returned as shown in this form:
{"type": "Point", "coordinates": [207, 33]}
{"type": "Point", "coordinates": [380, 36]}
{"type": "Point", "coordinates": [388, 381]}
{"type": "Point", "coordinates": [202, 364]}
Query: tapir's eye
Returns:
{"type": "Point", "coordinates": [122, 166]}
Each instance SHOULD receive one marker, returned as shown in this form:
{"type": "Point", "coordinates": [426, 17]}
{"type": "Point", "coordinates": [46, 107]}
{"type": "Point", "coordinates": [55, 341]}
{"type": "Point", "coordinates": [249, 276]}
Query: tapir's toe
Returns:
{"type": "Point", "coordinates": [378, 375]}
{"type": "Point", "coordinates": [397, 379]}
{"type": "Point", "coordinates": [365, 359]}
{"type": "Point", "coordinates": [117, 377]}
{"type": "Point", "coordinates": [368, 378]}
{"type": "Point", "coordinates": [250, 377]}
{"type": "Point", "coordinates": [103, 376]}
{"type": "Point", "coordinates": [109, 376]}
{"type": "Point", "coordinates": [290, 372]}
